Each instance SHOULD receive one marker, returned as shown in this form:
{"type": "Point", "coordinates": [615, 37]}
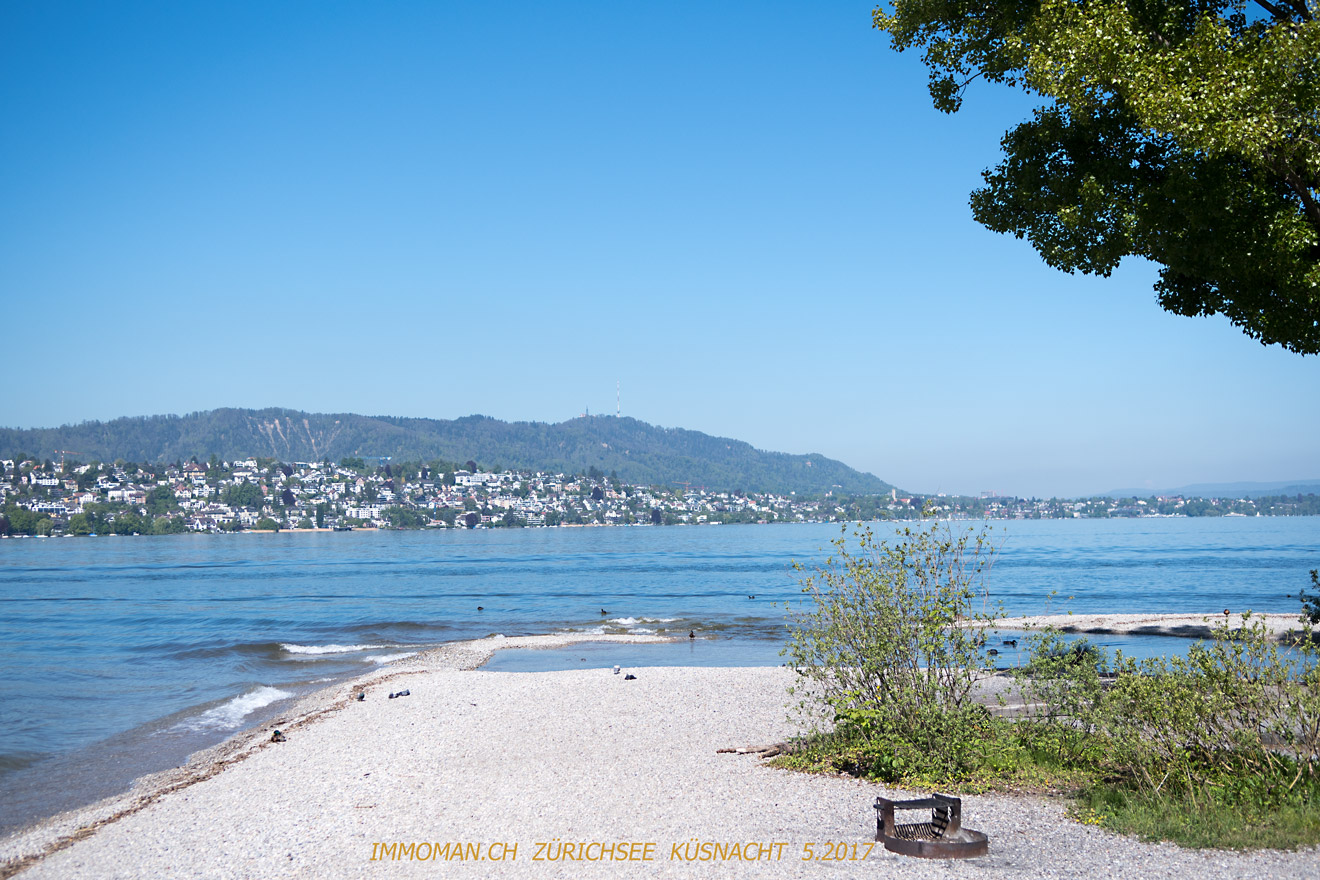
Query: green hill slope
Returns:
{"type": "Point", "coordinates": [638, 452]}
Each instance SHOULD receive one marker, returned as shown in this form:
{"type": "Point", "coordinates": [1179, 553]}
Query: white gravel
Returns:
{"type": "Point", "coordinates": [580, 756]}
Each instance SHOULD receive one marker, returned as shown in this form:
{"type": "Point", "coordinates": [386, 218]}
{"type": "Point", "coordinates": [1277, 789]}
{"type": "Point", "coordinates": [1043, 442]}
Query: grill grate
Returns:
{"type": "Point", "coordinates": [943, 837]}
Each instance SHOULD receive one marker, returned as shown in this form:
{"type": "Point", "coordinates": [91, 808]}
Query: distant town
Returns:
{"type": "Point", "coordinates": [49, 498]}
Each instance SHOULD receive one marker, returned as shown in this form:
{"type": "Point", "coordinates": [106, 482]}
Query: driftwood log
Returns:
{"type": "Point", "coordinates": [766, 751]}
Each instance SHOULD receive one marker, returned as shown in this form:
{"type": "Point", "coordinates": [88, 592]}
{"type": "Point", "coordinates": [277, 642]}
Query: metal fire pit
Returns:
{"type": "Point", "coordinates": [943, 837]}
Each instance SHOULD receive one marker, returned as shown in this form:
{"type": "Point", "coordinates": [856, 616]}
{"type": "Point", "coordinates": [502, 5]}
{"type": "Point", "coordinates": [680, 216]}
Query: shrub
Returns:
{"type": "Point", "coordinates": [1235, 722]}
{"type": "Point", "coordinates": [886, 649]}
{"type": "Point", "coordinates": [1311, 601]}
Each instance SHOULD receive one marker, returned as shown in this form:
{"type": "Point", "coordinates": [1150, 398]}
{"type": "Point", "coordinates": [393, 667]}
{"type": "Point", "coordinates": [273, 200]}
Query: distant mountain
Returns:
{"type": "Point", "coordinates": [1224, 490]}
{"type": "Point", "coordinates": [638, 452]}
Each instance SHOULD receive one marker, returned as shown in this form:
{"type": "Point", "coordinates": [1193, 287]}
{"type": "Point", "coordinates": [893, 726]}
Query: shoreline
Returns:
{"type": "Point", "coordinates": [612, 729]}
{"type": "Point", "coordinates": [27, 846]}
{"type": "Point", "coordinates": [1280, 627]}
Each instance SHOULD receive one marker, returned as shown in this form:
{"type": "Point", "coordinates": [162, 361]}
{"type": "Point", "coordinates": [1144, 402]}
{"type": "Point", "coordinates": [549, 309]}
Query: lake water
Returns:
{"type": "Point", "coordinates": [123, 655]}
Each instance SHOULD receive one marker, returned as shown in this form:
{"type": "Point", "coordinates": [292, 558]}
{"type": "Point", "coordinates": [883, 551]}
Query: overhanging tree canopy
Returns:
{"type": "Point", "coordinates": [1187, 133]}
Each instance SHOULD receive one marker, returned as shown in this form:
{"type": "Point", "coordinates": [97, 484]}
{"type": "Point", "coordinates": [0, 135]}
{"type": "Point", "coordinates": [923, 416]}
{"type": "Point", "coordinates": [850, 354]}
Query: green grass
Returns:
{"type": "Point", "coordinates": [997, 757]}
{"type": "Point", "coordinates": [1199, 824]}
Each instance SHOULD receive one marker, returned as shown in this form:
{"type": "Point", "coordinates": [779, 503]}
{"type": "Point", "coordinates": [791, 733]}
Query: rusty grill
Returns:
{"type": "Point", "coordinates": [943, 837]}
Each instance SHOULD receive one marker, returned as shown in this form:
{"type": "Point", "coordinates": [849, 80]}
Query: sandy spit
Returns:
{"type": "Point", "coordinates": [1197, 626]}
{"type": "Point", "coordinates": [584, 756]}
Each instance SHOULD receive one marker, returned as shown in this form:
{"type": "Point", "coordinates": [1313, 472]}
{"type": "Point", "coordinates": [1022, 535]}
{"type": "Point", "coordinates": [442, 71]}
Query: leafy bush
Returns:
{"type": "Point", "coordinates": [1221, 748]}
{"type": "Point", "coordinates": [1311, 601]}
{"type": "Point", "coordinates": [885, 647]}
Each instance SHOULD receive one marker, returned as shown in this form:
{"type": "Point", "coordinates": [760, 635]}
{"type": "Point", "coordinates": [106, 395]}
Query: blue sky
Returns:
{"type": "Point", "coordinates": [747, 214]}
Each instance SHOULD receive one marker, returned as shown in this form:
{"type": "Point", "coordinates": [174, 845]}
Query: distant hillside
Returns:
{"type": "Point", "coordinates": [1225, 490]}
{"type": "Point", "coordinates": [640, 453]}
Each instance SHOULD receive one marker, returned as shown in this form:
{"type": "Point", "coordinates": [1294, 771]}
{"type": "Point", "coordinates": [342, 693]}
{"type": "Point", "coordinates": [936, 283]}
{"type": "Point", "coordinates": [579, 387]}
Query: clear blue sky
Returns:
{"type": "Point", "coordinates": [747, 214]}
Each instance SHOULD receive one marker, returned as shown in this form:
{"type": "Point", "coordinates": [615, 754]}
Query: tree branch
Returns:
{"type": "Point", "coordinates": [1285, 10]}
{"type": "Point", "coordinates": [1309, 204]}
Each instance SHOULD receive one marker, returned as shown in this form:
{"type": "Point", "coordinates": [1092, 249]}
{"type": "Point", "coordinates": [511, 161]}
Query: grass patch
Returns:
{"type": "Point", "coordinates": [998, 756]}
{"type": "Point", "coordinates": [1199, 823]}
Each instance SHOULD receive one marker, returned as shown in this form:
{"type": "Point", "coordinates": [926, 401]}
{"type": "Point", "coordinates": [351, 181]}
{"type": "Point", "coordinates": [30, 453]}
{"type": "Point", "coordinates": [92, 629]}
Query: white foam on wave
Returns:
{"type": "Point", "coordinates": [329, 649]}
{"type": "Point", "coordinates": [230, 715]}
{"type": "Point", "coordinates": [633, 621]}
{"type": "Point", "coordinates": [388, 658]}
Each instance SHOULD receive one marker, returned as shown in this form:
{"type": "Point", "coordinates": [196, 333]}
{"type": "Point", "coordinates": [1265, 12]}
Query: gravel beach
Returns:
{"type": "Point", "coordinates": [478, 763]}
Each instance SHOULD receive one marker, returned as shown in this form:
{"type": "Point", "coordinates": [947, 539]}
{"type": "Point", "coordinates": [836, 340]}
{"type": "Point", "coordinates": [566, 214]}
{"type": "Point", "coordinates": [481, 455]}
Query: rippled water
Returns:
{"type": "Point", "coordinates": [110, 643]}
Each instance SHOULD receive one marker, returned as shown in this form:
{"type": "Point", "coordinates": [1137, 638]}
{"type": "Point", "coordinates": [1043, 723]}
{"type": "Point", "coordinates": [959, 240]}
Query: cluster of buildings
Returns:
{"type": "Point", "coordinates": [252, 494]}
{"type": "Point", "coordinates": [123, 498]}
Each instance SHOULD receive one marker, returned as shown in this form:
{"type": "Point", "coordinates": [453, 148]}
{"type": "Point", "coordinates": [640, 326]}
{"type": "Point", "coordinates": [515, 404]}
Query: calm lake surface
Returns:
{"type": "Point", "coordinates": [123, 655]}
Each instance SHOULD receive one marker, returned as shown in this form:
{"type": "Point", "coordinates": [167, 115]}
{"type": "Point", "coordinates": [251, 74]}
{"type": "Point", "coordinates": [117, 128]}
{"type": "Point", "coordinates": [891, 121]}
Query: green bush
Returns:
{"type": "Point", "coordinates": [1311, 601]}
{"type": "Point", "coordinates": [885, 646]}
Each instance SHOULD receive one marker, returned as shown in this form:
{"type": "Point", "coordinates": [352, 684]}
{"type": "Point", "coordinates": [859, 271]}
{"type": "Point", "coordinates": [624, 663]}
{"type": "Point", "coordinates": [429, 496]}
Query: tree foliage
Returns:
{"type": "Point", "coordinates": [1186, 133]}
{"type": "Point", "coordinates": [243, 495]}
{"type": "Point", "coordinates": [161, 501]}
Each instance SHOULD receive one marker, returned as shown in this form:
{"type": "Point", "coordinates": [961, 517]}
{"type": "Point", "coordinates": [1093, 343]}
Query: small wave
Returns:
{"type": "Point", "coordinates": [644, 630]}
{"type": "Point", "coordinates": [388, 658]}
{"type": "Point", "coordinates": [633, 621]}
{"type": "Point", "coordinates": [329, 649]}
{"type": "Point", "coordinates": [13, 761]}
{"type": "Point", "coordinates": [230, 715]}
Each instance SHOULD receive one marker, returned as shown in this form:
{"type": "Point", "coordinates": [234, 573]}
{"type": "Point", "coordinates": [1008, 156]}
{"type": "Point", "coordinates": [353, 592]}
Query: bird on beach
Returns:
{"type": "Point", "coordinates": [362, 695]}
{"type": "Point", "coordinates": [630, 677]}
{"type": "Point", "coordinates": [277, 737]}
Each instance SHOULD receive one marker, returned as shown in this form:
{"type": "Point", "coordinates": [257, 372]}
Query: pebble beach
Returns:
{"type": "Point", "coordinates": [547, 775]}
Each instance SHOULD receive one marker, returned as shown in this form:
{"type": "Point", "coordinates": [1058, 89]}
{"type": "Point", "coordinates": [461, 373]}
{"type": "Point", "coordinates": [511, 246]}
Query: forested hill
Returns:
{"type": "Point", "coordinates": [638, 452]}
